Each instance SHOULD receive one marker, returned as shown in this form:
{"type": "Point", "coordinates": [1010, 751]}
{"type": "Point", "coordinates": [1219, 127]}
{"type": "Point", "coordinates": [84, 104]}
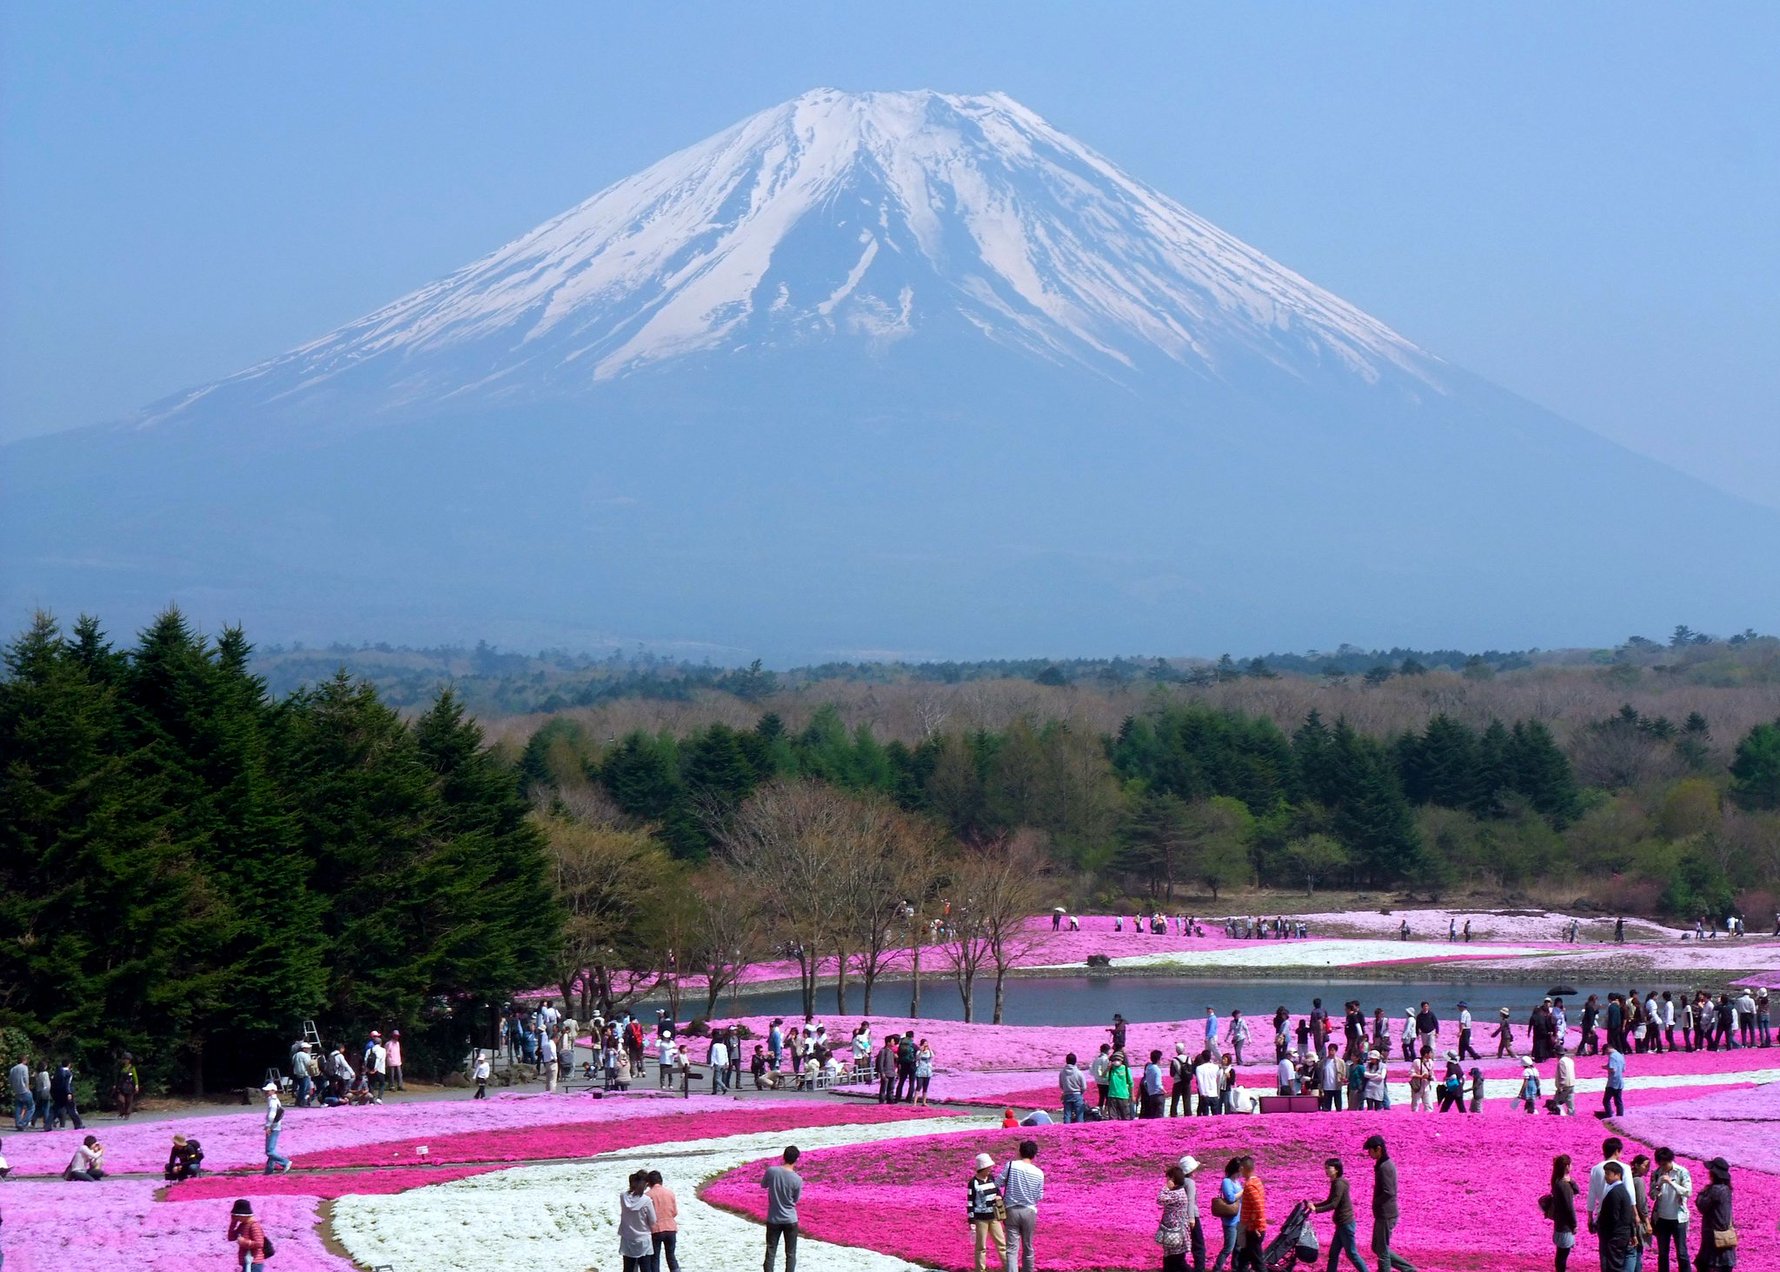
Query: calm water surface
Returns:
{"type": "Point", "coordinates": [1089, 1000]}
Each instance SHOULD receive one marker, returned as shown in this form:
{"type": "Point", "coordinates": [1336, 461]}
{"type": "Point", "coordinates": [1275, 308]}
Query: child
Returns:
{"type": "Point", "coordinates": [1529, 1085]}
{"type": "Point", "coordinates": [1476, 1089]}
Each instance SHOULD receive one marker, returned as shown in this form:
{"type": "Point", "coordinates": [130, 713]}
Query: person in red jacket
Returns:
{"type": "Point", "coordinates": [248, 1236]}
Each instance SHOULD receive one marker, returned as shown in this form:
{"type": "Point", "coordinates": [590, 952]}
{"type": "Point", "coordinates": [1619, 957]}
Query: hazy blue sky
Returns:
{"type": "Point", "coordinates": [1577, 201]}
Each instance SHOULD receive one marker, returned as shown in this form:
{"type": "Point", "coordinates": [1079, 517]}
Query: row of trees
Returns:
{"type": "Point", "coordinates": [841, 884]}
{"type": "Point", "coordinates": [188, 870]}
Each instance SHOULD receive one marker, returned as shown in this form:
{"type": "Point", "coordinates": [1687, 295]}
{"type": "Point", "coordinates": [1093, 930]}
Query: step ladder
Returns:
{"type": "Point", "coordinates": [312, 1036]}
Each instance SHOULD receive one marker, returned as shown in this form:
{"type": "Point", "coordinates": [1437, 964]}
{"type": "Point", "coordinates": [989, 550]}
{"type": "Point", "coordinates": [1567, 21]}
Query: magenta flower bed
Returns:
{"type": "Point", "coordinates": [588, 1138]}
{"type": "Point", "coordinates": [1469, 1186]}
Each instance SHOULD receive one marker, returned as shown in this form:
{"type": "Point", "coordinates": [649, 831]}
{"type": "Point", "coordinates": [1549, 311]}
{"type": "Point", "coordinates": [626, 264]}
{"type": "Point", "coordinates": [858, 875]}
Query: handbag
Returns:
{"type": "Point", "coordinates": [1000, 1211]}
{"type": "Point", "coordinates": [1724, 1239]}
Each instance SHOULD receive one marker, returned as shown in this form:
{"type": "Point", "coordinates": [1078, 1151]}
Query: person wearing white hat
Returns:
{"type": "Point", "coordinates": [274, 1125]}
{"type": "Point", "coordinates": [986, 1212]}
{"type": "Point", "coordinates": [1189, 1168]}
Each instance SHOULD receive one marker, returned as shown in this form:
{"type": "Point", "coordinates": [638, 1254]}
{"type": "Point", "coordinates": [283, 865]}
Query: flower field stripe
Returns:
{"type": "Point", "coordinates": [565, 1216]}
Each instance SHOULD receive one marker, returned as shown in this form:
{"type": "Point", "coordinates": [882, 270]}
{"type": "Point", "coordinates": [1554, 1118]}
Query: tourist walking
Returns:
{"type": "Point", "coordinates": [480, 1073]}
{"type": "Point", "coordinates": [1671, 1192]}
{"type": "Point", "coordinates": [1466, 1050]}
{"type": "Point", "coordinates": [665, 1231]}
{"type": "Point", "coordinates": [274, 1127]}
{"type": "Point", "coordinates": [63, 1107]}
{"type": "Point", "coordinates": [783, 1188]}
{"type": "Point", "coordinates": [1251, 1220]}
{"type": "Point", "coordinates": [1559, 1206]}
{"type": "Point", "coordinates": [986, 1212]}
{"type": "Point", "coordinates": [1718, 1233]}
{"type": "Point", "coordinates": [252, 1246]}
{"type": "Point", "coordinates": [1339, 1206]}
{"type": "Point", "coordinates": [1177, 1217]}
{"type": "Point", "coordinates": [1384, 1206]}
{"type": "Point", "coordinates": [636, 1222]}
{"type": "Point", "coordinates": [1225, 1208]}
{"type": "Point", "coordinates": [1613, 1094]}
{"type": "Point", "coordinates": [127, 1086]}
{"type": "Point", "coordinates": [24, 1107]}
{"type": "Point", "coordinates": [1022, 1188]}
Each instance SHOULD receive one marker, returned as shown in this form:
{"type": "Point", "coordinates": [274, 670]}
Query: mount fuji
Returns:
{"type": "Point", "coordinates": [869, 373]}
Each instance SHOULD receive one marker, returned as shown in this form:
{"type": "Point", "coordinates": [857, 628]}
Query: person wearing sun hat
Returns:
{"type": "Point", "coordinates": [985, 1212]}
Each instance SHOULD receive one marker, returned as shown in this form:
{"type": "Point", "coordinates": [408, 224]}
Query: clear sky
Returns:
{"type": "Point", "coordinates": [1580, 201]}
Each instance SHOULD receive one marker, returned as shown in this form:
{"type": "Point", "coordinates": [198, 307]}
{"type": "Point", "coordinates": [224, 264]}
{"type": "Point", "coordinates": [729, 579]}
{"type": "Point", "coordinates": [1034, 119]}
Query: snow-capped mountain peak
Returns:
{"type": "Point", "coordinates": [864, 216]}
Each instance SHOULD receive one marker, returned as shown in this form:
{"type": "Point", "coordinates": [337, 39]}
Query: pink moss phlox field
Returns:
{"type": "Point", "coordinates": [1740, 1124]}
{"type": "Point", "coordinates": [1469, 1186]}
{"type": "Point", "coordinates": [1428, 927]}
{"type": "Point", "coordinates": [116, 1224]}
{"type": "Point", "coordinates": [237, 1140]}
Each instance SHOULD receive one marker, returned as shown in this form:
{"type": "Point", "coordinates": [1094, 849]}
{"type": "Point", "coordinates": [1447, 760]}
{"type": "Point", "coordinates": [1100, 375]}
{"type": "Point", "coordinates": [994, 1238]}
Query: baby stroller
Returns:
{"type": "Point", "coordinates": [1294, 1243]}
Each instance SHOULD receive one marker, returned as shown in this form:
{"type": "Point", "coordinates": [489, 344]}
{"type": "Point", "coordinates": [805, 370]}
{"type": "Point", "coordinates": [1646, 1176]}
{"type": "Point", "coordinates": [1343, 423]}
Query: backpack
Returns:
{"type": "Point", "coordinates": [905, 1054]}
{"type": "Point", "coordinates": [270, 1251]}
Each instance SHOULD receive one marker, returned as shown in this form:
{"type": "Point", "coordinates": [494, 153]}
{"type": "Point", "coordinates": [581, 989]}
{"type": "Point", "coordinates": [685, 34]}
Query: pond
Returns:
{"type": "Point", "coordinates": [1087, 1000]}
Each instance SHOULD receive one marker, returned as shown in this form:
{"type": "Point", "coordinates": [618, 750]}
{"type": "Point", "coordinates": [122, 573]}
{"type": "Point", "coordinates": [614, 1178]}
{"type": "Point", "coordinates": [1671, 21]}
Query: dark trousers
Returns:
{"type": "Point", "coordinates": [1669, 1233]}
{"type": "Point", "coordinates": [1180, 1100]}
{"type": "Point", "coordinates": [1210, 1106]}
{"type": "Point", "coordinates": [664, 1244]}
{"type": "Point", "coordinates": [886, 1088]}
{"type": "Point", "coordinates": [1151, 1106]}
{"type": "Point", "coordinates": [1248, 1252]}
{"type": "Point", "coordinates": [905, 1083]}
{"type": "Point", "coordinates": [1466, 1050]}
{"type": "Point", "coordinates": [65, 1111]}
{"type": "Point", "coordinates": [773, 1232]}
{"type": "Point", "coordinates": [1612, 1102]}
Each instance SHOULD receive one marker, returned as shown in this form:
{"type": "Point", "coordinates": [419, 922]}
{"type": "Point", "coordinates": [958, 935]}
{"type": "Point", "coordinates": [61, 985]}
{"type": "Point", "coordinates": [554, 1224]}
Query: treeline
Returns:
{"type": "Point", "coordinates": [189, 868]}
{"type": "Point", "coordinates": [1189, 796]}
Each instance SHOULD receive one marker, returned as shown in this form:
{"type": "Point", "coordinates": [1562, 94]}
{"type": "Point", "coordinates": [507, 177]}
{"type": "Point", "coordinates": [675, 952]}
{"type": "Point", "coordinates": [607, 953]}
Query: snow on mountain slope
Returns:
{"type": "Point", "coordinates": [867, 216]}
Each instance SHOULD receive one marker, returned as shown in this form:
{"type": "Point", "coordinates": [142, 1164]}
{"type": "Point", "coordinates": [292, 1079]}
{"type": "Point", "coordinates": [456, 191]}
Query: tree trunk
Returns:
{"type": "Point", "coordinates": [1000, 992]}
{"type": "Point", "coordinates": [869, 976]}
{"type": "Point", "coordinates": [967, 983]}
{"type": "Point", "coordinates": [915, 993]}
{"type": "Point", "coordinates": [840, 983]}
{"type": "Point", "coordinates": [713, 991]}
{"type": "Point", "coordinates": [806, 981]}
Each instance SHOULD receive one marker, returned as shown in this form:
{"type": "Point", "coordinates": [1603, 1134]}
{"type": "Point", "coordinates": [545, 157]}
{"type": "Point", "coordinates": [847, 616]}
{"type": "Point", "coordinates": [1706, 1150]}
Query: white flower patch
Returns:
{"type": "Point", "coordinates": [1318, 954]}
{"type": "Point", "coordinates": [566, 1217]}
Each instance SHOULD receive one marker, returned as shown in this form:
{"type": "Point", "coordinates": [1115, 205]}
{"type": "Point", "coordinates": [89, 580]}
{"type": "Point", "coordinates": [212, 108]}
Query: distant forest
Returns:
{"type": "Point", "coordinates": [493, 682]}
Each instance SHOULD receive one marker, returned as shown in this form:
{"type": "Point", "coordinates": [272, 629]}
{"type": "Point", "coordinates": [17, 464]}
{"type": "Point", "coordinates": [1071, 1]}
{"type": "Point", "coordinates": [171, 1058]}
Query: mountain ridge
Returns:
{"type": "Point", "coordinates": [1013, 402]}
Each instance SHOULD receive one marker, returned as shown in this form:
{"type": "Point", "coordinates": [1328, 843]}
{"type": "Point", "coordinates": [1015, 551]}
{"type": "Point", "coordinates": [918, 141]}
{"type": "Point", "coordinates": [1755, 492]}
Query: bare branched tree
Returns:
{"type": "Point", "coordinates": [790, 841]}
{"type": "Point", "coordinates": [994, 890]}
{"type": "Point", "coordinates": [612, 884]}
